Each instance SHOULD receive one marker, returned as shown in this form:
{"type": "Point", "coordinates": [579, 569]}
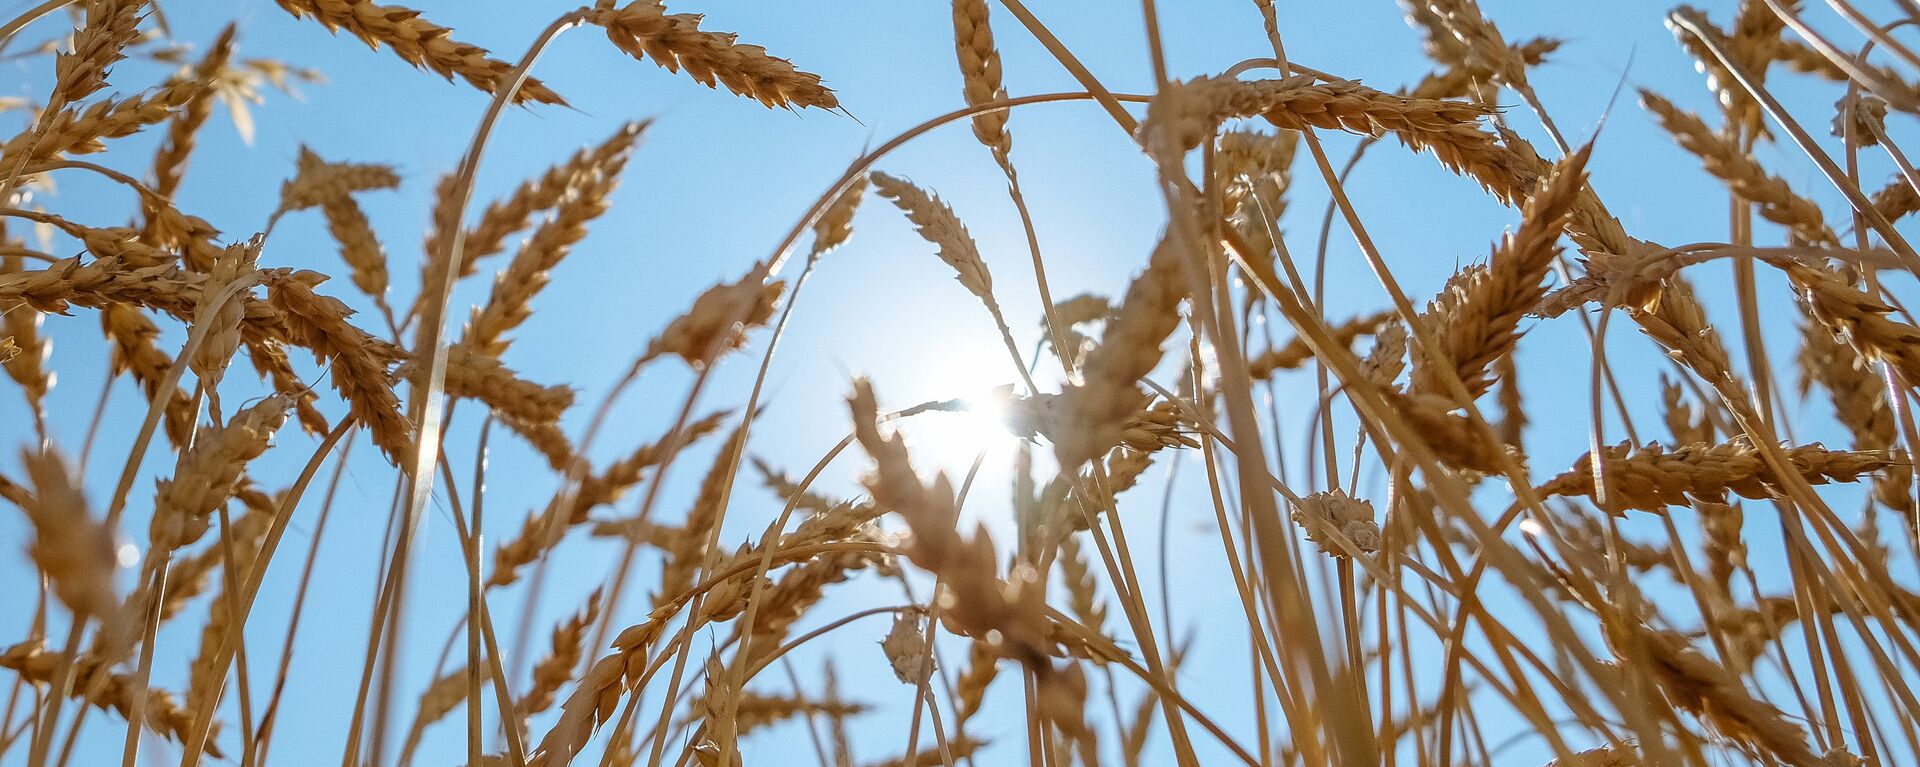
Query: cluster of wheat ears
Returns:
{"type": "Point", "coordinates": [1370, 631]}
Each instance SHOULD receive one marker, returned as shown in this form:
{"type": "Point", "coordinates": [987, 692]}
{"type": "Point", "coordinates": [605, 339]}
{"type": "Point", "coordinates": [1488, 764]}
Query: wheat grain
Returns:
{"type": "Point", "coordinates": [360, 364]}
{"type": "Point", "coordinates": [1653, 477]}
{"type": "Point", "coordinates": [513, 291]}
{"type": "Point", "coordinates": [980, 74]}
{"type": "Point", "coordinates": [644, 30]}
{"type": "Point", "coordinates": [162, 714]}
{"type": "Point", "coordinates": [209, 472]}
{"type": "Point", "coordinates": [1777, 201]}
{"type": "Point", "coordinates": [418, 42]}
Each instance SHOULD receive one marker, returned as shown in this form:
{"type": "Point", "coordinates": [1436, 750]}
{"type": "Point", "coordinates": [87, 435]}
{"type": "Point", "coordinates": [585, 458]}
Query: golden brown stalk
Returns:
{"type": "Point", "coordinates": [835, 225]}
{"type": "Point", "coordinates": [161, 714]}
{"type": "Point", "coordinates": [209, 473]}
{"type": "Point", "coordinates": [1090, 416]}
{"type": "Point", "coordinates": [1861, 319]}
{"type": "Point", "coordinates": [719, 320]}
{"type": "Point", "coordinates": [1860, 404]}
{"type": "Point", "coordinates": [81, 131]}
{"type": "Point", "coordinates": [644, 30]}
{"type": "Point", "coordinates": [511, 301]}
{"type": "Point", "coordinates": [1778, 203]}
{"type": "Point", "coordinates": [418, 42]}
{"type": "Point", "coordinates": [556, 669]}
{"type": "Point", "coordinates": [360, 363]}
{"type": "Point", "coordinates": [1653, 477]}
{"type": "Point", "coordinates": [936, 222]}
{"type": "Point", "coordinates": [170, 160]}
{"type": "Point", "coordinates": [74, 551]}
{"type": "Point", "coordinates": [1476, 320]}
{"type": "Point", "coordinates": [980, 74]}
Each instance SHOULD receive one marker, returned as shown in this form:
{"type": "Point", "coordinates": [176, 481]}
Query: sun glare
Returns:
{"type": "Point", "coordinates": [950, 440]}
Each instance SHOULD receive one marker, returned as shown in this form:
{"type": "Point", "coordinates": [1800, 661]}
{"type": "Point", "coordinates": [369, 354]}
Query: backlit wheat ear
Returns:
{"type": "Point", "coordinates": [980, 73]}
{"type": "Point", "coordinates": [938, 224]}
{"type": "Point", "coordinates": [1653, 477]}
{"type": "Point", "coordinates": [1743, 175]}
{"type": "Point", "coordinates": [210, 472]}
{"type": "Point", "coordinates": [360, 365]}
{"type": "Point", "coordinates": [418, 42]}
{"type": "Point", "coordinates": [513, 213]}
{"type": "Point", "coordinates": [1863, 320]}
{"type": "Point", "coordinates": [99, 43]}
{"type": "Point", "coordinates": [163, 714]}
{"type": "Point", "coordinates": [597, 696]}
{"type": "Point", "coordinates": [719, 320]}
{"type": "Point", "coordinates": [74, 550]}
{"type": "Point", "coordinates": [514, 290]}
{"type": "Point", "coordinates": [982, 604]}
{"type": "Point", "coordinates": [565, 652]}
{"type": "Point", "coordinates": [26, 355]}
{"type": "Point", "coordinates": [1297, 352]}
{"type": "Point", "coordinates": [1091, 415]}
{"type": "Point", "coordinates": [1477, 318]}
{"type": "Point", "coordinates": [170, 161]}
{"type": "Point", "coordinates": [1696, 684]}
{"type": "Point", "coordinates": [644, 30]}
{"type": "Point", "coordinates": [1860, 404]}
{"type": "Point", "coordinates": [836, 224]}
{"type": "Point", "coordinates": [82, 131]}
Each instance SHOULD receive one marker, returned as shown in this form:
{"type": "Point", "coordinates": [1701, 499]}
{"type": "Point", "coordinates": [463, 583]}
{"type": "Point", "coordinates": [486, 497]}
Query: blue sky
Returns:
{"type": "Point", "coordinates": [719, 179]}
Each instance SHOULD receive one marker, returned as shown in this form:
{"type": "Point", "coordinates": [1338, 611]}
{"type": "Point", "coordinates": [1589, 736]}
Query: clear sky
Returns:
{"type": "Point", "coordinates": [716, 183]}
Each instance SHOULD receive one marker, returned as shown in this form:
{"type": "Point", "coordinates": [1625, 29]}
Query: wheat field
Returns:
{"type": "Point", "coordinates": [526, 385]}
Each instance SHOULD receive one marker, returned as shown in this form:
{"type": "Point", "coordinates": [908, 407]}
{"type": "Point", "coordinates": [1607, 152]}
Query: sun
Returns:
{"type": "Point", "coordinates": [950, 440]}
